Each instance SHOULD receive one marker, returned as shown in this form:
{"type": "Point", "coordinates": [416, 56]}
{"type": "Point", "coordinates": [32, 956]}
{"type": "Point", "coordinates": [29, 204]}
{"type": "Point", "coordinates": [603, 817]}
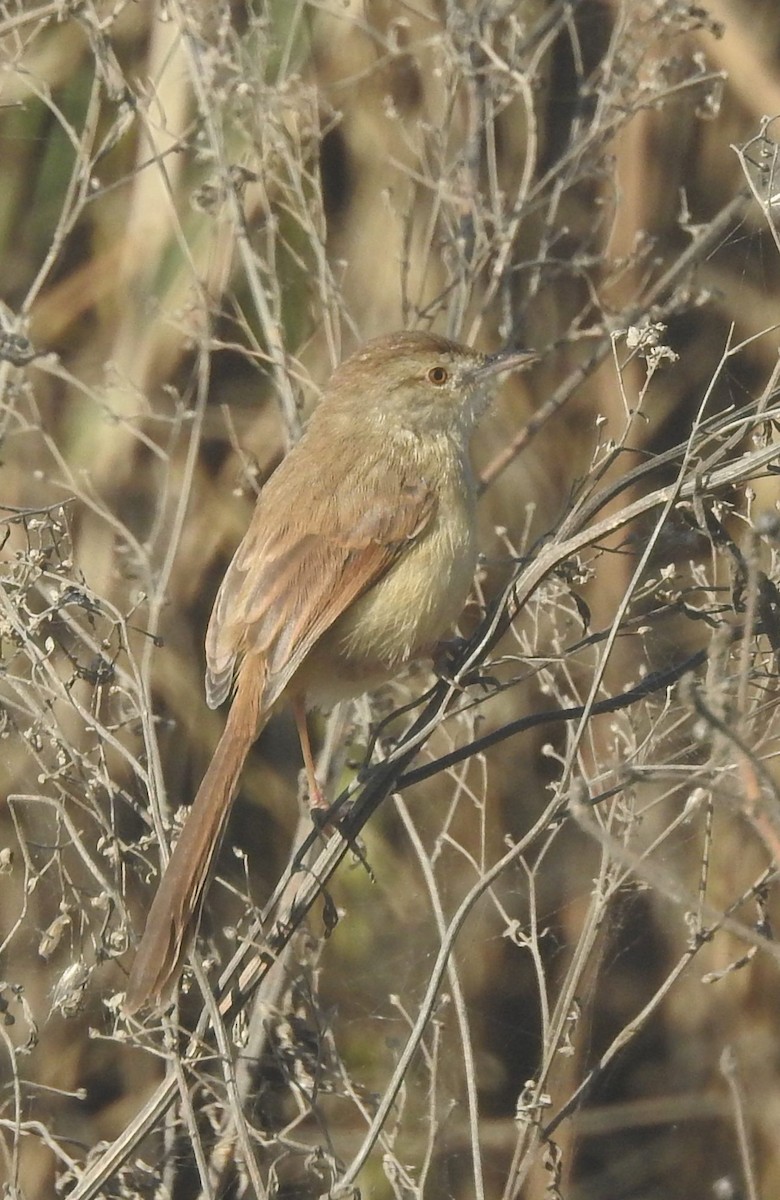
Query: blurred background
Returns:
{"type": "Point", "coordinates": [203, 208]}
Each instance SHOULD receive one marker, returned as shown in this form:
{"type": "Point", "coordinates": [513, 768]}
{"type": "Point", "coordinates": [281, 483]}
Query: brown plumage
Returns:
{"type": "Point", "coordinates": [358, 558]}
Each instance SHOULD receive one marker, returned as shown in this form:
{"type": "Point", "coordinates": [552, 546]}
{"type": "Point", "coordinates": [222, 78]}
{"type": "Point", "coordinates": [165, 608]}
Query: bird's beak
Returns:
{"type": "Point", "coordinates": [503, 361]}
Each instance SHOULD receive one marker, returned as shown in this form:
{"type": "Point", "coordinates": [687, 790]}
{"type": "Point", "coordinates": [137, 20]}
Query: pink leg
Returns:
{"type": "Point", "coordinates": [316, 798]}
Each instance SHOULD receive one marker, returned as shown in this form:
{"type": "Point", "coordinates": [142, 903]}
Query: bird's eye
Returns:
{"type": "Point", "coordinates": [438, 376]}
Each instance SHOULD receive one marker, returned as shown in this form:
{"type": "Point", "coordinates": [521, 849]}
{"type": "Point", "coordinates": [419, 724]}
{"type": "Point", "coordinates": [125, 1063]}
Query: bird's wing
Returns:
{"type": "Point", "coordinates": [291, 579]}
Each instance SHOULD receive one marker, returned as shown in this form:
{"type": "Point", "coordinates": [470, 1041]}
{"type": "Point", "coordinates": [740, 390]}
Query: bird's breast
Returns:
{"type": "Point", "coordinates": [407, 612]}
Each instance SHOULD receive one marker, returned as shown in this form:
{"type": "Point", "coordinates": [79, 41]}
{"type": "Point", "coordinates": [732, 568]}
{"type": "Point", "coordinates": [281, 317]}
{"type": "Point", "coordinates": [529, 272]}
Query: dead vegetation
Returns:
{"type": "Point", "coordinates": [542, 963]}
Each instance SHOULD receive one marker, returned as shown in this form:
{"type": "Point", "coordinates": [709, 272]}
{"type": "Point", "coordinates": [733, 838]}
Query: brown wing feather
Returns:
{"type": "Point", "coordinates": [287, 584]}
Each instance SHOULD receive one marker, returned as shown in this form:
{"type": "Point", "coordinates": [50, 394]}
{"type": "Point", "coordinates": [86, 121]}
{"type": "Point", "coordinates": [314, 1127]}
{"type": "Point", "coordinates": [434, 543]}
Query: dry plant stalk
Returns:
{"type": "Point", "coordinates": [537, 958]}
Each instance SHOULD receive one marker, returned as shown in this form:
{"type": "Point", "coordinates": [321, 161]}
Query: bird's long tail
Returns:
{"type": "Point", "coordinates": [175, 912]}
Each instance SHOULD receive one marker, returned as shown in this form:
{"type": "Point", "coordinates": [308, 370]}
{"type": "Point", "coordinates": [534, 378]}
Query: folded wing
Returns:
{"type": "Point", "coordinates": [287, 584]}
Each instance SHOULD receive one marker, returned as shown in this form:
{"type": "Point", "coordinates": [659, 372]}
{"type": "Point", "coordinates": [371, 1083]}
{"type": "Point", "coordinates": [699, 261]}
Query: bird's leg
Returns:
{"type": "Point", "coordinates": [316, 797]}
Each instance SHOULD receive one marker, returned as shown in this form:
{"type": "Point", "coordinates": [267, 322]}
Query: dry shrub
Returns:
{"type": "Point", "coordinates": [544, 965]}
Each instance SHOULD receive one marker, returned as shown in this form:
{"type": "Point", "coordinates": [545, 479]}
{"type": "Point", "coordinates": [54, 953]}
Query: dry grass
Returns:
{"type": "Point", "coordinates": [543, 964]}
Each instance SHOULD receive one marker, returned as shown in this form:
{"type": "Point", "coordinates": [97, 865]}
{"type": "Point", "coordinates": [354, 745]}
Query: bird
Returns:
{"type": "Point", "coordinates": [357, 561]}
